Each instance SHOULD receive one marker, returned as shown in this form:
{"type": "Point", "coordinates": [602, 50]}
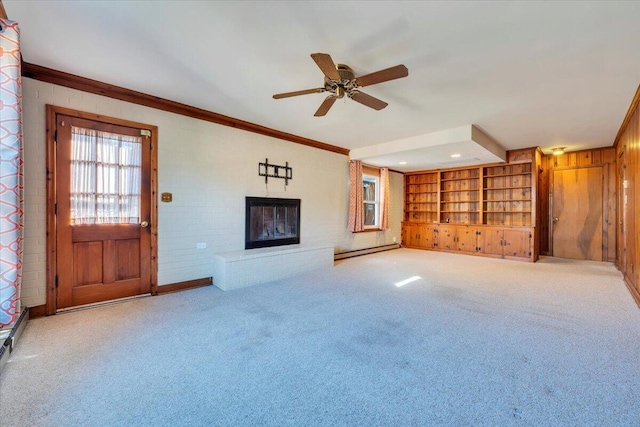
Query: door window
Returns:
{"type": "Point", "coordinates": [105, 177]}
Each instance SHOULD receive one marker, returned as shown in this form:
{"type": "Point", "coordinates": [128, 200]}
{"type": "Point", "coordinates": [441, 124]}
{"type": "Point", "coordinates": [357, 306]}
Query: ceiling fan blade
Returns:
{"type": "Point", "coordinates": [324, 107]}
{"type": "Point", "coordinates": [383, 76]}
{"type": "Point", "coordinates": [368, 100]}
{"type": "Point", "coordinates": [298, 92]}
{"type": "Point", "coordinates": [326, 64]}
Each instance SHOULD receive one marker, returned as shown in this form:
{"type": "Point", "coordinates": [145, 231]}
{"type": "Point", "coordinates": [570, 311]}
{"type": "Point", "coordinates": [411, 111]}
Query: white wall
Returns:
{"type": "Point", "coordinates": [210, 169]}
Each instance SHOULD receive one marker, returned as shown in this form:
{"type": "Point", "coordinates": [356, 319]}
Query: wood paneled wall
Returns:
{"type": "Point", "coordinates": [627, 146]}
{"type": "Point", "coordinates": [603, 157]}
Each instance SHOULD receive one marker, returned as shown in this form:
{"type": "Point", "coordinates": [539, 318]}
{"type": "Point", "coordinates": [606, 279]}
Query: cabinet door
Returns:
{"type": "Point", "coordinates": [408, 234]}
{"type": "Point", "coordinates": [517, 243]}
{"type": "Point", "coordinates": [490, 241]}
{"type": "Point", "coordinates": [413, 235]}
{"type": "Point", "coordinates": [447, 237]}
{"type": "Point", "coordinates": [426, 236]}
{"type": "Point", "coordinates": [467, 239]}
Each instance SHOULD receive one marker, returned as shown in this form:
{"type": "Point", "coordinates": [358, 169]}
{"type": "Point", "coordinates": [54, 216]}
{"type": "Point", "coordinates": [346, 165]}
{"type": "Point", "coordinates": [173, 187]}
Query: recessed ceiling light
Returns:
{"type": "Point", "coordinates": [402, 163]}
{"type": "Point", "coordinates": [455, 155]}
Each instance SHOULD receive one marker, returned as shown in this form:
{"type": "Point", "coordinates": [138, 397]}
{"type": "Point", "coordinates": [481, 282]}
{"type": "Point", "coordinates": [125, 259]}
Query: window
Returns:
{"type": "Point", "coordinates": [105, 177]}
{"type": "Point", "coordinates": [371, 200]}
{"type": "Point", "coordinates": [368, 198]}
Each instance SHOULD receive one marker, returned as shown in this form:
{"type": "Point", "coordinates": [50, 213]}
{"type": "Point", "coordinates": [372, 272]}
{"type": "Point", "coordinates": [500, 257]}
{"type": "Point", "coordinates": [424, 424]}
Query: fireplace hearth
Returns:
{"type": "Point", "coordinates": [271, 222]}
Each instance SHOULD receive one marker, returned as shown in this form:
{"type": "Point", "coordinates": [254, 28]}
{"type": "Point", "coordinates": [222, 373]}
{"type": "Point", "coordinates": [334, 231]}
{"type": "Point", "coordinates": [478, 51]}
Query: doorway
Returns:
{"type": "Point", "coordinates": [577, 213]}
{"type": "Point", "coordinates": [102, 208]}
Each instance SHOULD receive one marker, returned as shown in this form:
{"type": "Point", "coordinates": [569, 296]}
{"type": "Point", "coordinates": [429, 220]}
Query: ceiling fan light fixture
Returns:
{"type": "Point", "coordinates": [558, 151]}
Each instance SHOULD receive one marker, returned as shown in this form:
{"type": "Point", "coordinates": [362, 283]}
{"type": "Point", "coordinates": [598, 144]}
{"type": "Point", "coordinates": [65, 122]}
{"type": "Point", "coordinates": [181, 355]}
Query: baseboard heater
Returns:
{"type": "Point", "coordinates": [10, 342]}
{"type": "Point", "coordinates": [366, 251]}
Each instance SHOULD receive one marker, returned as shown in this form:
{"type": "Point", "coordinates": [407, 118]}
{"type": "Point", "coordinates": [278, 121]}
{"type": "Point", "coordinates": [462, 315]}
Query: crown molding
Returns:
{"type": "Point", "coordinates": [48, 75]}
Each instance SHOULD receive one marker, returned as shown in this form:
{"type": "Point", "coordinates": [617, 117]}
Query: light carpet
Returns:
{"type": "Point", "coordinates": [473, 341]}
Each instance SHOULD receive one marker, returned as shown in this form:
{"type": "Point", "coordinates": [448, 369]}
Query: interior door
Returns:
{"type": "Point", "coordinates": [577, 213]}
{"type": "Point", "coordinates": [103, 197]}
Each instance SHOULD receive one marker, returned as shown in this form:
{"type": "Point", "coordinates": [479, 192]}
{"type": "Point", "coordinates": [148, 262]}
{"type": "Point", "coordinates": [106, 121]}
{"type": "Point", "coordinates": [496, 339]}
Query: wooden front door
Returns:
{"type": "Point", "coordinates": [577, 213]}
{"type": "Point", "coordinates": [103, 204]}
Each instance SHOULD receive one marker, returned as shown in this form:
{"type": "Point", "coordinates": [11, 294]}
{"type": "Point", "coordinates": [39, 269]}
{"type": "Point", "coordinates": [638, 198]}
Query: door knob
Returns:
{"type": "Point", "coordinates": [556, 219]}
{"type": "Point", "coordinates": [144, 224]}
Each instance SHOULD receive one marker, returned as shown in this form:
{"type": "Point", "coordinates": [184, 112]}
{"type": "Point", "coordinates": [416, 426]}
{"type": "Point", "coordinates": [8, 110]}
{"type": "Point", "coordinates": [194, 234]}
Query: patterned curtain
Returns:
{"type": "Point", "coordinates": [11, 178]}
{"type": "Point", "coordinates": [384, 195]}
{"type": "Point", "coordinates": [356, 203]}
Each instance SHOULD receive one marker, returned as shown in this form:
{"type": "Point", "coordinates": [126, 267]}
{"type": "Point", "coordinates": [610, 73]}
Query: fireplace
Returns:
{"type": "Point", "coordinates": [271, 222]}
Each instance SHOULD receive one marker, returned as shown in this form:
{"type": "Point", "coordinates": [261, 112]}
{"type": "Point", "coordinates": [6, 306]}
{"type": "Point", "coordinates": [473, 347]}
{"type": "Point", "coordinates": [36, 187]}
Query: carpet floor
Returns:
{"type": "Point", "coordinates": [467, 341]}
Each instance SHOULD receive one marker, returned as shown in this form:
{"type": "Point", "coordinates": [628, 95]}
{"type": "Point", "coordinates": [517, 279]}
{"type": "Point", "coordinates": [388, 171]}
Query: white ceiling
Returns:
{"type": "Point", "coordinates": [527, 73]}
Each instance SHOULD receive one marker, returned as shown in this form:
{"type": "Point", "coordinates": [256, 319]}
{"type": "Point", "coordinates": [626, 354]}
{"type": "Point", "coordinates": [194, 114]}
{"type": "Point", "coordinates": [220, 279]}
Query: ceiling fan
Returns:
{"type": "Point", "coordinates": [340, 81]}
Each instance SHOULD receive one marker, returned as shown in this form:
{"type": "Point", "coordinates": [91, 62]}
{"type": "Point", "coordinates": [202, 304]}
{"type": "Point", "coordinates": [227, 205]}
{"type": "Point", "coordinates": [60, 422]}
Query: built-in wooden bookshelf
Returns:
{"type": "Point", "coordinates": [460, 196]}
{"type": "Point", "coordinates": [507, 195]}
{"type": "Point", "coordinates": [421, 198]}
{"type": "Point", "coordinates": [487, 210]}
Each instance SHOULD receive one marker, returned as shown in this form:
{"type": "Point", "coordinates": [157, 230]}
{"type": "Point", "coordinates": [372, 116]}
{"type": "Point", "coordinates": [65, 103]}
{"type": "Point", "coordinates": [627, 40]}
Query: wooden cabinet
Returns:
{"type": "Point", "coordinates": [468, 239]}
{"type": "Point", "coordinates": [497, 242]}
{"type": "Point", "coordinates": [446, 237]}
{"type": "Point", "coordinates": [491, 242]}
{"type": "Point", "coordinates": [511, 243]}
{"type": "Point", "coordinates": [487, 210]}
{"type": "Point", "coordinates": [419, 236]}
{"type": "Point", "coordinates": [518, 243]}
{"type": "Point", "coordinates": [460, 238]}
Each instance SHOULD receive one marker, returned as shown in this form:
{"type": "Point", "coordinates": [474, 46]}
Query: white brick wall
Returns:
{"type": "Point", "coordinates": [209, 169]}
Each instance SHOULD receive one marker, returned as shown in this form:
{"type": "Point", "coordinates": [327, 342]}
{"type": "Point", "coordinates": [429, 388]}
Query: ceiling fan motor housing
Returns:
{"type": "Point", "coordinates": [346, 83]}
{"type": "Point", "coordinates": [346, 73]}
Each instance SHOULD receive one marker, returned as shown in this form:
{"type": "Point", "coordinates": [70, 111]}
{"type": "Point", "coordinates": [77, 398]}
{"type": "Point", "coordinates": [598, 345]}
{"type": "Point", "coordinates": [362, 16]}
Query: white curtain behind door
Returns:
{"type": "Point", "coordinates": [105, 177]}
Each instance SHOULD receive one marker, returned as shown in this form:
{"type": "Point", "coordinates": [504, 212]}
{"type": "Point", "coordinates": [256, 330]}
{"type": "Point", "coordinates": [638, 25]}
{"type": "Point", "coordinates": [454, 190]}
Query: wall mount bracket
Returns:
{"type": "Point", "coordinates": [275, 171]}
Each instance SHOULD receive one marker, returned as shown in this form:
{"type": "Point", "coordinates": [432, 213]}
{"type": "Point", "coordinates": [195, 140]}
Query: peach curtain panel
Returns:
{"type": "Point", "coordinates": [384, 196]}
{"type": "Point", "coordinates": [11, 176]}
{"type": "Point", "coordinates": [356, 202]}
